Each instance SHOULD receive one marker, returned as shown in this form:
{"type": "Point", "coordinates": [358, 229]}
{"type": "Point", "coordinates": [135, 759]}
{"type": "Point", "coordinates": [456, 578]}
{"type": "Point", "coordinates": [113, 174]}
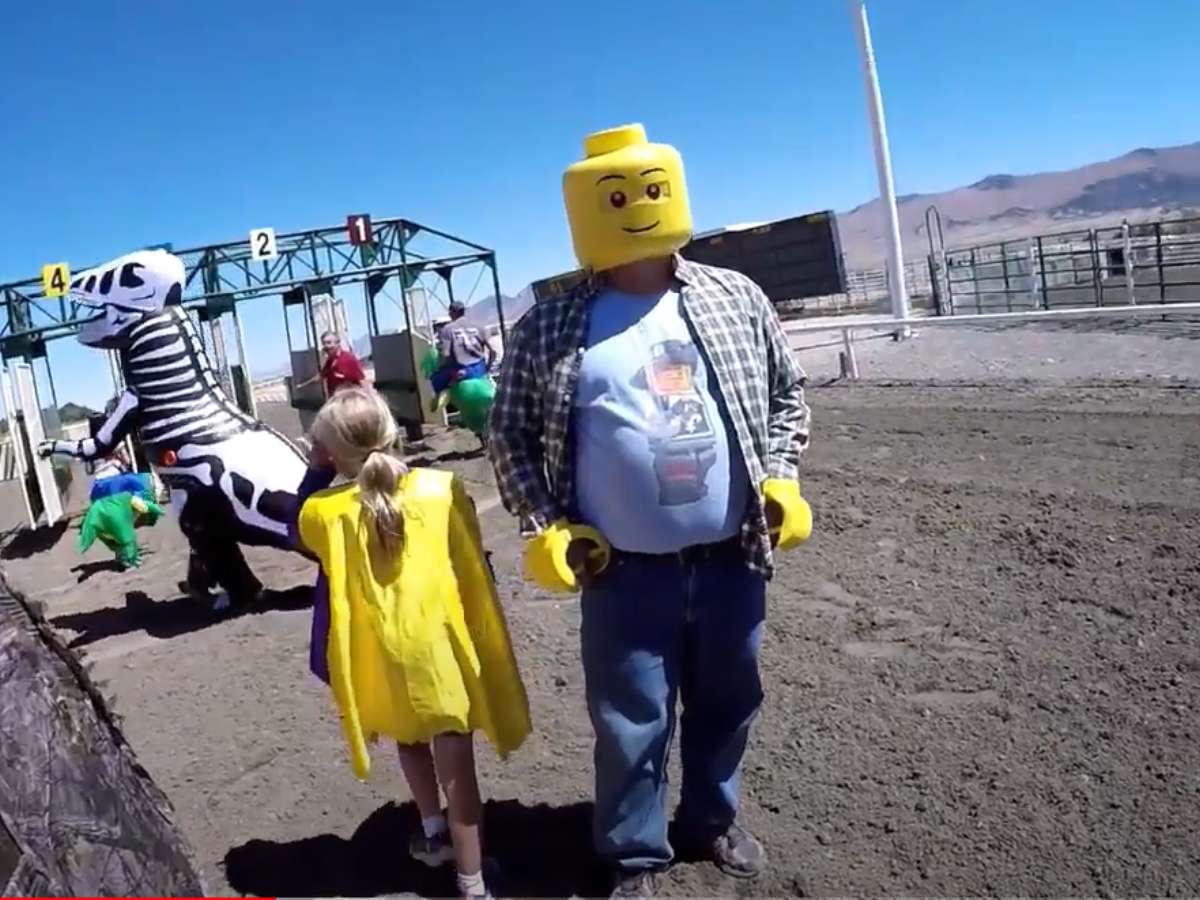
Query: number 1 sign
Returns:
{"type": "Point", "coordinates": [262, 244]}
{"type": "Point", "coordinates": [359, 228]}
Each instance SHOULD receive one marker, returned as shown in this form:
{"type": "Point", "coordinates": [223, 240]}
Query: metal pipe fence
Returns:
{"type": "Point", "coordinates": [866, 290]}
{"type": "Point", "coordinates": [1154, 262]}
{"type": "Point", "coordinates": [1128, 264]}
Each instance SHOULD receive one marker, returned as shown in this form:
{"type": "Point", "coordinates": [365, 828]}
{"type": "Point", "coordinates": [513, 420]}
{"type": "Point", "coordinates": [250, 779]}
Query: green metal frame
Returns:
{"type": "Point", "coordinates": [222, 274]}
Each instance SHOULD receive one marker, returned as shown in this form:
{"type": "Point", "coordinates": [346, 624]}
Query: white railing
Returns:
{"type": "Point", "coordinates": [881, 323]}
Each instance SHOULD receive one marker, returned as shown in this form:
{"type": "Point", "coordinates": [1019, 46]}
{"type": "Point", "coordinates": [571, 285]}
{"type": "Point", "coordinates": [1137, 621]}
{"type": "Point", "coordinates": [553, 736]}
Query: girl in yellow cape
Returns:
{"type": "Point", "coordinates": [418, 649]}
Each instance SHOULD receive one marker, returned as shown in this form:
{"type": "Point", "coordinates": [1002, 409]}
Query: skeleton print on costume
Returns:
{"type": "Point", "coordinates": [232, 479]}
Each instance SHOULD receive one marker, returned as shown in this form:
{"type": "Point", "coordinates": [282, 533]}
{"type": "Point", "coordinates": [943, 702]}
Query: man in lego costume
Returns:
{"type": "Point", "coordinates": [647, 429]}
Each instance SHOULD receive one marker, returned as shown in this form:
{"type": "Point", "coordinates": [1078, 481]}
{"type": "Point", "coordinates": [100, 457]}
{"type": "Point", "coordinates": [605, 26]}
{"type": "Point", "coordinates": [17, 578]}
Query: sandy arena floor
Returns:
{"type": "Point", "coordinates": [983, 674]}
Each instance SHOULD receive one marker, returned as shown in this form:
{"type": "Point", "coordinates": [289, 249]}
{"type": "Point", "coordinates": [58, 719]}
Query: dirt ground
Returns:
{"type": "Point", "coordinates": [982, 674]}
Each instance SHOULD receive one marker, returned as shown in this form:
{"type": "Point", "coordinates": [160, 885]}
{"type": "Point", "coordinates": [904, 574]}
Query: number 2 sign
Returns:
{"type": "Point", "coordinates": [262, 244]}
{"type": "Point", "coordinates": [359, 228]}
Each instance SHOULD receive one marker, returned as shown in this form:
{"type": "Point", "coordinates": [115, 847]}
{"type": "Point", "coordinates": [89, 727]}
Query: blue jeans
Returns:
{"type": "Point", "coordinates": [443, 377]}
{"type": "Point", "coordinates": [657, 630]}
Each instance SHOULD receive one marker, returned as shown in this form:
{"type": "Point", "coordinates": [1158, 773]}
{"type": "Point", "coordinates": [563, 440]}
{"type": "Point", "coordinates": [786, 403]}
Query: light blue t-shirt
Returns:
{"type": "Point", "coordinates": [656, 469]}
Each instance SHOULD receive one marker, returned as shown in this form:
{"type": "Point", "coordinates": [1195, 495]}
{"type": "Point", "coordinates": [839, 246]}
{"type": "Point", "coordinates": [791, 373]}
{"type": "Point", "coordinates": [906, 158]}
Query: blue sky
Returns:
{"type": "Point", "coordinates": [128, 123]}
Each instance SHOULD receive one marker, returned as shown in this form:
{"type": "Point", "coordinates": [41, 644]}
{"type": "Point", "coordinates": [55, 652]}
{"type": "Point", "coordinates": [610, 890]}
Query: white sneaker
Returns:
{"type": "Point", "coordinates": [483, 889]}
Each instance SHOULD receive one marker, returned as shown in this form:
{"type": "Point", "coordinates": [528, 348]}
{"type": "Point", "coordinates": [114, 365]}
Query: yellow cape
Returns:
{"type": "Point", "coordinates": [418, 645]}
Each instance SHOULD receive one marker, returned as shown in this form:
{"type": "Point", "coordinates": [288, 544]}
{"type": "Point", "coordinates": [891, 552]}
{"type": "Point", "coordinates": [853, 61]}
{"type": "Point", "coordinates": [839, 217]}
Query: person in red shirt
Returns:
{"type": "Point", "coordinates": [340, 369]}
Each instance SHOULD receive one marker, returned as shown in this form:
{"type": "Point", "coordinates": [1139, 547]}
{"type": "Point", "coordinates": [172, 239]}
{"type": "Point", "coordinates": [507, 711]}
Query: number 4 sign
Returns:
{"type": "Point", "coordinates": [262, 244]}
{"type": "Point", "coordinates": [55, 279]}
{"type": "Point", "coordinates": [359, 228]}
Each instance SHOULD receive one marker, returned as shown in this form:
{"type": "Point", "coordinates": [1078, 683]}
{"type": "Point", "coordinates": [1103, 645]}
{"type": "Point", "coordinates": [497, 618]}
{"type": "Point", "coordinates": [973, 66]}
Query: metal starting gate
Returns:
{"type": "Point", "coordinates": [384, 256]}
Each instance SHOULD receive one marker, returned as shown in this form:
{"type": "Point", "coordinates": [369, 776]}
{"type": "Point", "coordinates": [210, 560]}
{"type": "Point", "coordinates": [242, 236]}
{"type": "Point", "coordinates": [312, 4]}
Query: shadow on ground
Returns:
{"type": "Point", "coordinates": [462, 455]}
{"type": "Point", "coordinates": [169, 618]}
{"type": "Point", "coordinates": [30, 542]}
{"type": "Point", "coordinates": [89, 570]}
{"type": "Point", "coordinates": [542, 851]}
{"type": "Point", "coordinates": [430, 460]}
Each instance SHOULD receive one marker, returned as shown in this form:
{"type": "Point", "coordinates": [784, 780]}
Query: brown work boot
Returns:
{"type": "Point", "coordinates": [734, 851]}
{"type": "Point", "coordinates": [738, 853]}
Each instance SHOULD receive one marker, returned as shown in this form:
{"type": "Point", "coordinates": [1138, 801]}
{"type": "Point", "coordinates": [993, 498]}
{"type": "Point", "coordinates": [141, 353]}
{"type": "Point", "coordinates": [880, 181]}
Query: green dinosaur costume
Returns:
{"type": "Point", "coordinates": [472, 397]}
{"type": "Point", "coordinates": [113, 521]}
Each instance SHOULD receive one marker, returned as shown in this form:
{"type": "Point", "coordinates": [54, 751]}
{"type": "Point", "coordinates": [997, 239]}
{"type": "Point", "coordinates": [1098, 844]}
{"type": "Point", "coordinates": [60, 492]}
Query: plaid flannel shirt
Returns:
{"type": "Point", "coordinates": [738, 331]}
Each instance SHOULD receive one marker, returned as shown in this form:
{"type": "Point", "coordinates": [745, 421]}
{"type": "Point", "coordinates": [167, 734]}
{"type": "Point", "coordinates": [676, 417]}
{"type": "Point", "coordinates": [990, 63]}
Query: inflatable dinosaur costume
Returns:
{"type": "Point", "coordinates": [472, 397]}
{"type": "Point", "coordinates": [119, 505]}
{"type": "Point", "coordinates": [232, 479]}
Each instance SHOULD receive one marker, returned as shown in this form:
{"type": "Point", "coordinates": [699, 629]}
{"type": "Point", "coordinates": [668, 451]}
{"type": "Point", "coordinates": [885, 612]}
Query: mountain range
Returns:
{"type": "Point", "coordinates": [1143, 184]}
{"type": "Point", "coordinates": [483, 313]}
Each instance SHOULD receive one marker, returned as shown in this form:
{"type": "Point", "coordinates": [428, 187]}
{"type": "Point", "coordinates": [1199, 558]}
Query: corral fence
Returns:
{"type": "Point", "coordinates": [1154, 262]}
{"type": "Point", "coordinates": [1121, 265]}
{"type": "Point", "coordinates": [867, 290]}
{"type": "Point", "coordinates": [1128, 271]}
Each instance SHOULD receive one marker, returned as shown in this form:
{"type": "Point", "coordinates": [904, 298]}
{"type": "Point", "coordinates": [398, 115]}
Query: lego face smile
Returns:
{"type": "Point", "coordinates": [634, 203]}
{"type": "Point", "coordinates": [627, 201]}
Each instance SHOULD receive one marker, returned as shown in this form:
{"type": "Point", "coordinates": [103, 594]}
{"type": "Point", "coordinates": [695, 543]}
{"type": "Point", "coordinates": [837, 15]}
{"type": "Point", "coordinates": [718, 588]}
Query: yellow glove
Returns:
{"type": "Point", "coordinates": [546, 563]}
{"type": "Point", "coordinates": [789, 517]}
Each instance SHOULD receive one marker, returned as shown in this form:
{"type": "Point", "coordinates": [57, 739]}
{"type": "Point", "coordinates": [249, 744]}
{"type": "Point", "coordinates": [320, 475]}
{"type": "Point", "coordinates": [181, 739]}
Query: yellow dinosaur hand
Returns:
{"type": "Point", "coordinates": [549, 555]}
{"type": "Point", "coordinates": [789, 517]}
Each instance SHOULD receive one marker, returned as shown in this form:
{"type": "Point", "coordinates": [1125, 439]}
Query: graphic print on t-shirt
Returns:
{"type": "Point", "coordinates": [682, 440]}
{"type": "Point", "coordinates": [657, 467]}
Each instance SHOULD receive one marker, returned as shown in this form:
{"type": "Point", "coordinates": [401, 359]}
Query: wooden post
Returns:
{"type": "Point", "coordinates": [78, 815]}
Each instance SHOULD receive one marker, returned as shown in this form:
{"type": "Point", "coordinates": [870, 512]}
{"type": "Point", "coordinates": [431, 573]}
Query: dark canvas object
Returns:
{"type": "Point", "coordinates": [78, 815]}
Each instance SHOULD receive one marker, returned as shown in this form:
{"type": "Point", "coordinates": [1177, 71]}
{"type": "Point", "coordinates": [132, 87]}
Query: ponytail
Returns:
{"type": "Point", "coordinates": [378, 481]}
{"type": "Point", "coordinates": [356, 428]}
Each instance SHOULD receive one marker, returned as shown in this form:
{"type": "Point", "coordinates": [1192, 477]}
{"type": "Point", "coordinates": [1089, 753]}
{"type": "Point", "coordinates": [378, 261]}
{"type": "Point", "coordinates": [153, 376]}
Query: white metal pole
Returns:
{"type": "Point", "coordinates": [851, 362]}
{"type": "Point", "coordinates": [118, 383]}
{"type": "Point", "coordinates": [247, 378]}
{"type": "Point", "coordinates": [1033, 275]}
{"type": "Point", "coordinates": [883, 162]}
{"type": "Point", "coordinates": [14, 441]}
{"type": "Point", "coordinates": [1127, 249]}
{"type": "Point", "coordinates": [221, 355]}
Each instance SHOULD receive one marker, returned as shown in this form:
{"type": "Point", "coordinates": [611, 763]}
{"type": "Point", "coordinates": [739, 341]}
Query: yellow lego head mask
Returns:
{"type": "Point", "coordinates": [627, 201]}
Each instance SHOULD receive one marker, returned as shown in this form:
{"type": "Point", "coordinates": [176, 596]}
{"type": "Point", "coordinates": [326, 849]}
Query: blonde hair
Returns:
{"type": "Point", "coordinates": [356, 428]}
